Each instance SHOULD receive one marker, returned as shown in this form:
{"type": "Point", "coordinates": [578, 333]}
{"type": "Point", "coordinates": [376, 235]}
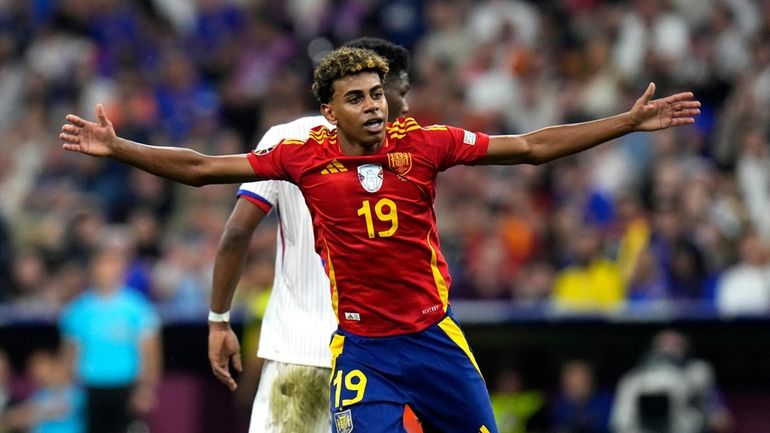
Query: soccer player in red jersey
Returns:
{"type": "Point", "coordinates": [370, 189]}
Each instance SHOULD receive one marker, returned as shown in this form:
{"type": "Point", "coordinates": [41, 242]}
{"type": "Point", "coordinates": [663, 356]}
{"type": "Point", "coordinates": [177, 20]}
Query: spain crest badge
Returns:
{"type": "Point", "coordinates": [400, 162]}
{"type": "Point", "coordinates": [343, 421]}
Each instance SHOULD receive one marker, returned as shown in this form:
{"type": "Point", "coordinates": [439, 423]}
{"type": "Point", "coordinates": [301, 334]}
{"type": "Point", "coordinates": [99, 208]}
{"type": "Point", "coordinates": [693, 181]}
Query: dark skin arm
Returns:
{"type": "Point", "coordinates": [223, 346]}
{"type": "Point", "coordinates": [554, 142]}
{"type": "Point", "coordinates": [182, 165]}
{"type": "Point", "coordinates": [144, 396]}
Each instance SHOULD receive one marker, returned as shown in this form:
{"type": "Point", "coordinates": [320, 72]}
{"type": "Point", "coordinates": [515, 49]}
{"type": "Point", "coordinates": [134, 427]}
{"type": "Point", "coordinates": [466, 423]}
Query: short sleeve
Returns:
{"type": "Point", "coordinates": [262, 194]}
{"type": "Point", "coordinates": [68, 322]}
{"type": "Point", "coordinates": [270, 163]}
{"type": "Point", "coordinates": [456, 146]}
{"type": "Point", "coordinates": [148, 319]}
{"type": "Point", "coordinates": [273, 136]}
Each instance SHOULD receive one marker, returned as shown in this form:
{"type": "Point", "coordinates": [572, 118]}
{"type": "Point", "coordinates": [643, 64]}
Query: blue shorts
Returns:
{"type": "Point", "coordinates": [433, 371]}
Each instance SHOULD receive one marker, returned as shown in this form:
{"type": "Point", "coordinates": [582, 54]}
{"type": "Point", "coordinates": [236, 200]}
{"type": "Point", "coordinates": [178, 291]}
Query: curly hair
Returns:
{"type": "Point", "coordinates": [396, 55]}
{"type": "Point", "coordinates": [341, 63]}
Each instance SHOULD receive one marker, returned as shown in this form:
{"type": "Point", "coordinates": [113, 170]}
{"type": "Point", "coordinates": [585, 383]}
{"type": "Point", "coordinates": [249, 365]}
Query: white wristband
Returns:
{"type": "Point", "coordinates": [219, 317]}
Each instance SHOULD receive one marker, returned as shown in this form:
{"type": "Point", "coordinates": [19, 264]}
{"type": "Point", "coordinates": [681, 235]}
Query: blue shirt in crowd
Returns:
{"type": "Point", "coordinates": [108, 330]}
{"type": "Point", "coordinates": [62, 410]}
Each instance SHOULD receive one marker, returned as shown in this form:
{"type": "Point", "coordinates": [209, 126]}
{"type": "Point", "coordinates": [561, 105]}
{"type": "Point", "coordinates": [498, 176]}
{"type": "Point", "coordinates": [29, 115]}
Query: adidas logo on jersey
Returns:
{"type": "Point", "coordinates": [352, 316]}
{"type": "Point", "coordinates": [334, 167]}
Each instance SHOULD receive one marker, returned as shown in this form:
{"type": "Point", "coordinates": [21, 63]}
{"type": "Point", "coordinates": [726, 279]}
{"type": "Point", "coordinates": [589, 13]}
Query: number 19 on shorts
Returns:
{"type": "Point", "coordinates": [354, 381]}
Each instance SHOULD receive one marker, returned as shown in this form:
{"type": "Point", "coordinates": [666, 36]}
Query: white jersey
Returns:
{"type": "Point", "coordinates": [299, 319]}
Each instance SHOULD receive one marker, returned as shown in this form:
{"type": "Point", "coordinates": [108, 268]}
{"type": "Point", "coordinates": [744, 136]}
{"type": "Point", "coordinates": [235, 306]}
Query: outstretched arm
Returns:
{"type": "Point", "coordinates": [550, 143]}
{"type": "Point", "coordinates": [228, 266]}
{"type": "Point", "coordinates": [180, 164]}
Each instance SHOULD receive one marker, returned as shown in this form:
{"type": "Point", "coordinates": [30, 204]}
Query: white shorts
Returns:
{"type": "Point", "coordinates": [291, 398]}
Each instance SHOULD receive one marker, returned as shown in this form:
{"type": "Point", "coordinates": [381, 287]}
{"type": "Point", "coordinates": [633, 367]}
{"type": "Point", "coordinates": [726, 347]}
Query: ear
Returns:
{"type": "Point", "coordinates": [328, 113]}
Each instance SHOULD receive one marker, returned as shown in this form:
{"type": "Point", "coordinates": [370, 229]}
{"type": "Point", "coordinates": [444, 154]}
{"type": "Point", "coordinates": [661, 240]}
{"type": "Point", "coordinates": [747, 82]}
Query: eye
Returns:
{"type": "Point", "coordinates": [377, 94]}
{"type": "Point", "coordinates": [354, 99]}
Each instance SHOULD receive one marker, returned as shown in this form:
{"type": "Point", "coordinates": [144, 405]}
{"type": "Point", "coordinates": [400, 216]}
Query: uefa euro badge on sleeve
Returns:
{"type": "Point", "coordinates": [370, 176]}
{"type": "Point", "coordinates": [344, 421]}
{"type": "Point", "coordinates": [260, 152]}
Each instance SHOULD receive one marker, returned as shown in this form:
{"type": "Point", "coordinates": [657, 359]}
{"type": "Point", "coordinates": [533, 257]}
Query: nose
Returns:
{"type": "Point", "coordinates": [404, 107]}
{"type": "Point", "coordinates": [370, 104]}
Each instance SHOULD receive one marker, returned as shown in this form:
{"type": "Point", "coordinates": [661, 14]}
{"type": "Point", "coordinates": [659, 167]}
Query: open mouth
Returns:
{"type": "Point", "coordinates": [374, 125]}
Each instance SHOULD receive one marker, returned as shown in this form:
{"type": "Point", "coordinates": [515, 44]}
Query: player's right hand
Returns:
{"type": "Point", "coordinates": [223, 349]}
{"type": "Point", "coordinates": [80, 135]}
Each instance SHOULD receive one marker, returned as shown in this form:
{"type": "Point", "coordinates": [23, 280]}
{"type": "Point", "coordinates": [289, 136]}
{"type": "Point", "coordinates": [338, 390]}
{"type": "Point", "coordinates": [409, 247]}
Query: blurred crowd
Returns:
{"type": "Point", "coordinates": [669, 389]}
{"type": "Point", "coordinates": [679, 218]}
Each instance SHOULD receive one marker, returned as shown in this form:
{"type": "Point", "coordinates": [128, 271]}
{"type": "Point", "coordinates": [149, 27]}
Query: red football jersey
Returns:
{"type": "Point", "coordinates": [374, 221]}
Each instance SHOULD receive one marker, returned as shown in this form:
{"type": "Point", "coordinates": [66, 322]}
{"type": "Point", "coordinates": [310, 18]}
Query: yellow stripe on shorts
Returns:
{"type": "Point", "coordinates": [338, 341]}
{"type": "Point", "coordinates": [453, 331]}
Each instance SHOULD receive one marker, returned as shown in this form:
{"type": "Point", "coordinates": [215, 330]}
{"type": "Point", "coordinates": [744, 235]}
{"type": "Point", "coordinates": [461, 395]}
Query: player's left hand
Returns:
{"type": "Point", "coordinates": [653, 114]}
{"type": "Point", "coordinates": [224, 348]}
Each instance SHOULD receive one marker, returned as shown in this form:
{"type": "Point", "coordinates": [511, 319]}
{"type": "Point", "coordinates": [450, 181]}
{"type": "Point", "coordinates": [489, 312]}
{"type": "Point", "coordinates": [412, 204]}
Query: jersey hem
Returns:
{"type": "Point", "coordinates": [295, 361]}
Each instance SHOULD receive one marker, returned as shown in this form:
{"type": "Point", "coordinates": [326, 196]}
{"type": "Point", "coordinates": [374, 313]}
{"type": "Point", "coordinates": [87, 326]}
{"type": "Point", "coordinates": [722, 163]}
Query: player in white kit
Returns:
{"type": "Point", "coordinates": [294, 342]}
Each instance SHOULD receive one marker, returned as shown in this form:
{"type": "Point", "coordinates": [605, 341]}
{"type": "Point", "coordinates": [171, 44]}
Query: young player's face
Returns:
{"type": "Point", "coordinates": [359, 109]}
{"type": "Point", "coordinates": [396, 88]}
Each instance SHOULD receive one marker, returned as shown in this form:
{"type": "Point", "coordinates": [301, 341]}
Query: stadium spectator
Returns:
{"type": "Point", "coordinates": [752, 172]}
{"type": "Point", "coordinates": [517, 409]}
{"type": "Point", "coordinates": [593, 283]}
{"type": "Point", "coordinates": [680, 259]}
{"type": "Point", "coordinates": [57, 404]}
{"type": "Point", "coordinates": [670, 390]}
{"type": "Point", "coordinates": [30, 278]}
{"type": "Point", "coordinates": [6, 261]}
{"type": "Point", "coordinates": [580, 406]}
{"type": "Point", "coordinates": [112, 340]}
{"type": "Point", "coordinates": [8, 396]}
{"type": "Point", "coordinates": [744, 288]}
{"type": "Point", "coordinates": [652, 38]}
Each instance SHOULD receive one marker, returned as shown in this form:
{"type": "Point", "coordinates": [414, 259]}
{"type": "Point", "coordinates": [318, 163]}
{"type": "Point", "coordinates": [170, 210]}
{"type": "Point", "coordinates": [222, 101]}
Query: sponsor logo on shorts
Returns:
{"type": "Point", "coordinates": [352, 316]}
{"type": "Point", "coordinates": [344, 421]}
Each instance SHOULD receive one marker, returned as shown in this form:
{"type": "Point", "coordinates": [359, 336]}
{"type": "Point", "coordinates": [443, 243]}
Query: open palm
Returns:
{"type": "Point", "coordinates": [80, 135]}
{"type": "Point", "coordinates": [674, 110]}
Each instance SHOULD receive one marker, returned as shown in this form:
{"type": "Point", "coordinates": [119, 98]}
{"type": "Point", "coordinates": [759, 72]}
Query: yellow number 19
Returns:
{"type": "Point", "coordinates": [390, 216]}
{"type": "Point", "coordinates": [354, 381]}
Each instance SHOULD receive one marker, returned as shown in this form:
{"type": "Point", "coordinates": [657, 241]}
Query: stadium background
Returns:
{"type": "Point", "coordinates": [663, 217]}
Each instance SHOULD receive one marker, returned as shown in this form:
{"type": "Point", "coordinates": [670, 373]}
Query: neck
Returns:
{"type": "Point", "coordinates": [354, 148]}
{"type": "Point", "coordinates": [107, 291]}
